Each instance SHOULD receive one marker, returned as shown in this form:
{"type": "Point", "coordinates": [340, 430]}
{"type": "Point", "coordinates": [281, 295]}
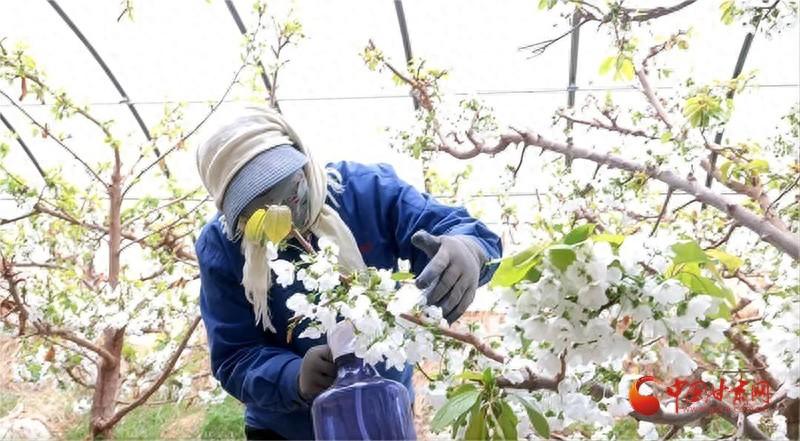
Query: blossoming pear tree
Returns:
{"type": "Point", "coordinates": [599, 293]}
{"type": "Point", "coordinates": [97, 263]}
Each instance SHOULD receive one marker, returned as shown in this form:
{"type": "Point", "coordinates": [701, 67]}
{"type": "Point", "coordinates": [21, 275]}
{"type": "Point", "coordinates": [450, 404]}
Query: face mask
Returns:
{"type": "Point", "coordinates": [292, 192]}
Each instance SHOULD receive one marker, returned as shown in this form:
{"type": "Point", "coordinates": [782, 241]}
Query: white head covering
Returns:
{"type": "Point", "coordinates": [243, 134]}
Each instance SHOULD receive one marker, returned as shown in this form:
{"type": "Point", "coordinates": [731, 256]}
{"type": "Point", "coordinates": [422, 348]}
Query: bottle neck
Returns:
{"type": "Point", "coordinates": [349, 365]}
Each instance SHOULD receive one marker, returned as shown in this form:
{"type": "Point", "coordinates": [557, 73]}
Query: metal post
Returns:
{"type": "Point", "coordinates": [28, 152]}
{"type": "Point", "coordinates": [401, 20]}
{"type": "Point", "coordinates": [573, 59]}
{"type": "Point", "coordinates": [737, 70]}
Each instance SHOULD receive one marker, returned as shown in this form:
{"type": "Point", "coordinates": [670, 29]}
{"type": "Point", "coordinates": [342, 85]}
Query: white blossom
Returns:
{"type": "Point", "coordinates": [300, 305]}
{"type": "Point", "coordinates": [284, 270]}
{"type": "Point", "coordinates": [714, 332]}
{"type": "Point", "coordinates": [678, 363]}
{"type": "Point", "coordinates": [669, 292]}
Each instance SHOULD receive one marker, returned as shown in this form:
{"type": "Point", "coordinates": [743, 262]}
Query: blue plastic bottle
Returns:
{"type": "Point", "coordinates": [361, 404]}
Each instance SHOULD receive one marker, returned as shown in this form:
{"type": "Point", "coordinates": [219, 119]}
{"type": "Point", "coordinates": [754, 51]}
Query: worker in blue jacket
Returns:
{"type": "Point", "coordinates": [252, 159]}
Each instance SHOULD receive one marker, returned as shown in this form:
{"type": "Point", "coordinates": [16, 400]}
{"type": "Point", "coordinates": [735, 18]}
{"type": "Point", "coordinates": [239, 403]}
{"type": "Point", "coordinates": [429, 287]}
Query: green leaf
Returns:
{"type": "Point", "coordinates": [518, 267]}
{"type": "Point", "coordinates": [605, 66]}
{"type": "Point", "coordinates": [686, 252]}
{"type": "Point", "coordinates": [728, 9]}
{"type": "Point", "coordinates": [402, 275]}
{"type": "Point", "coordinates": [477, 429]}
{"type": "Point", "coordinates": [614, 239]}
{"type": "Point", "coordinates": [627, 71]}
{"type": "Point", "coordinates": [758, 166]}
{"type": "Point", "coordinates": [701, 109]}
{"type": "Point", "coordinates": [470, 375]}
{"type": "Point", "coordinates": [454, 408]}
{"type": "Point", "coordinates": [547, 4]}
{"type": "Point", "coordinates": [538, 420]}
{"type": "Point", "coordinates": [731, 262]}
{"type": "Point", "coordinates": [458, 390]}
{"type": "Point", "coordinates": [725, 171]}
{"type": "Point", "coordinates": [561, 256]}
{"type": "Point", "coordinates": [579, 234]}
{"type": "Point", "coordinates": [488, 377]}
{"type": "Point", "coordinates": [690, 276]}
{"type": "Point", "coordinates": [507, 420]}
{"type": "Point", "coordinates": [666, 137]}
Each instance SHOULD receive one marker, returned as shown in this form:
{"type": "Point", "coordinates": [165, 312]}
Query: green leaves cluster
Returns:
{"type": "Point", "coordinates": [698, 271]}
{"type": "Point", "coordinates": [480, 410]}
{"type": "Point", "coordinates": [703, 108]}
{"type": "Point", "coordinates": [523, 265]}
{"type": "Point", "coordinates": [622, 65]}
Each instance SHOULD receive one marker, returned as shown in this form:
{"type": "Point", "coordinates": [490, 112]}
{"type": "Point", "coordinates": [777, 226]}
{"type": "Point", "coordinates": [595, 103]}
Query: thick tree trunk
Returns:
{"type": "Point", "coordinates": [107, 384]}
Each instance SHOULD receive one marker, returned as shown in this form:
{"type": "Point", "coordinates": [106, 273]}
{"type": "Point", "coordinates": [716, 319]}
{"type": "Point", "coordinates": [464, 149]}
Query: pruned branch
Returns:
{"type": "Point", "coordinates": [612, 127]}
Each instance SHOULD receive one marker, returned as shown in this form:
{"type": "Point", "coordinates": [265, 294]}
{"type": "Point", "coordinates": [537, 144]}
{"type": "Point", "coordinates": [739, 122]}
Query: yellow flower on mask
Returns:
{"type": "Point", "coordinates": [272, 224]}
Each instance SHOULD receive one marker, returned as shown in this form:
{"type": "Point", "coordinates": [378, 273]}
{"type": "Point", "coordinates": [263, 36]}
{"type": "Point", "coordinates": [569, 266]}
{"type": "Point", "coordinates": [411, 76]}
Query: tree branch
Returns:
{"type": "Point", "coordinates": [191, 132]}
{"type": "Point", "coordinates": [780, 238]}
{"type": "Point", "coordinates": [663, 211]}
{"type": "Point", "coordinates": [783, 240]}
{"type": "Point", "coordinates": [754, 192]}
{"type": "Point", "coordinates": [647, 89]}
{"type": "Point", "coordinates": [464, 337]}
{"type": "Point", "coordinates": [784, 193]}
{"type": "Point", "coordinates": [640, 15]}
{"type": "Point", "coordinates": [46, 131]}
{"type": "Point", "coordinates": [159, 381]}
{"type": "Point", "coordinates": [613, 127]}
{"type": "Point", "coordinates": [724, 238]}
{"type": "Point", "coordinates": [47, 329]}
{"type": "Point", "coordinates": [708, 408]}
{"type": "Point", "coordinates": [754, 360]}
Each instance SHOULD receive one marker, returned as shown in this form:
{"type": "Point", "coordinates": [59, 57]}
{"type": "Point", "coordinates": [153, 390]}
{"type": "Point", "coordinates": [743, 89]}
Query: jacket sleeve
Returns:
{"type": "Point", "coordinates": [409, 211]}
{"type": "Point", "coordinates": [241, 360]}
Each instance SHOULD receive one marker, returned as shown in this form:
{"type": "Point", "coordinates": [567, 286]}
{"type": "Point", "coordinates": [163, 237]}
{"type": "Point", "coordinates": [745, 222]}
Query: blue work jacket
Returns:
{"type": "Point", "coordinates": [259, 367]}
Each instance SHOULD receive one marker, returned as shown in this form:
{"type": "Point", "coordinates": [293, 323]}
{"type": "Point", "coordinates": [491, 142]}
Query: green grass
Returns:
{"type": "Point", "coordinates": [220, 421]}
{"type": "Point", "coordinates": [144, 422]}
{"type": "Point", "coordinates": [7, 403]}
{"type": "Point", "coordinates": [224, 421]}
{"type": "Point", "coordinates": [79, 431]}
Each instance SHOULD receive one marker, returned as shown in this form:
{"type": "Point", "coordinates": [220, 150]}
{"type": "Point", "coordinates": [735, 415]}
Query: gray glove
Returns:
{"type": "Point", "coordinates": [453, 272]}
{"type": "Point", "coordinates": [317, 372]}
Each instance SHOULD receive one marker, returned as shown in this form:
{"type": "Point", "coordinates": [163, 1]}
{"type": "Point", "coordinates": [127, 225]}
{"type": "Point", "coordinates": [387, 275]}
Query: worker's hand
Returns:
{"type": "Point", "coordinates": [453, 272]}
{"type": "Point", "coordinates": [317, 372]}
